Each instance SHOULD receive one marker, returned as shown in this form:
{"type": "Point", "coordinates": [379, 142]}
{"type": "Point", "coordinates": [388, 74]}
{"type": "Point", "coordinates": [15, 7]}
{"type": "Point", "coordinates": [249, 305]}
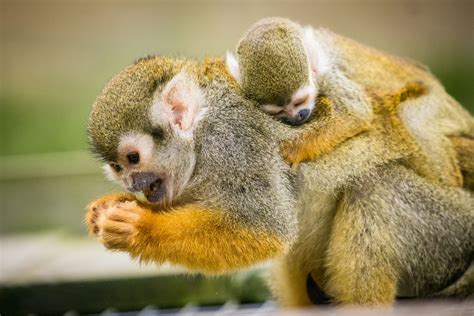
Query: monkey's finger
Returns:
{"type": "Point", "coordinates": [112, 241]}
{"type": "Point", "coordinates": [113, 227]}
{"type": "Point", "coordinates": [109, 201]}
{"type": "Point", "coordinates": [294, 166]}
{"type": "Point", "coordinates": [96, 206]}
{"type": "Point", "coordinates": [90, 220]}
{"type": "Point", "coordinates": [122, 215]}
{"type": "Point", "coordinates": [93, 230]}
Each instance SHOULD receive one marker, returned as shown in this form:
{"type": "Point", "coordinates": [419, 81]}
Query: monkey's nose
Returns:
{"type": "Point", "coordinates": [301, 116]}
{"type": "Point", "coordinates": [142, 180]}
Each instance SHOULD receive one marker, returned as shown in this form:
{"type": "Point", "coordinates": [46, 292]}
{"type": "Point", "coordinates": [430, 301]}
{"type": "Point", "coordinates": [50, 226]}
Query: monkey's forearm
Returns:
{"type": "Point", "coordinates": [321, 138]}
{"type": "Point", "coordinates": [201, 239]}
{"type": "Point", "coordinates": [198, 238]}
{"type": "Point", "coordinates": [346, 112]}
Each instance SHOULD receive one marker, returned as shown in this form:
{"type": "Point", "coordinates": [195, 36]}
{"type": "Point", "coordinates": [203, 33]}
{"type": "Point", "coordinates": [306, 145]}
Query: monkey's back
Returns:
{"type": "Point", "coordinates": [368, 66]}
{"type": "Point", "coordinates": [237, 158]}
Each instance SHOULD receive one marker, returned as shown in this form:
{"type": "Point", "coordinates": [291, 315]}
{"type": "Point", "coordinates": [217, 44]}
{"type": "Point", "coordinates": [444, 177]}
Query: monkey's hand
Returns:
{"type": "Point", "coordinates": [97, 208]}
{"type": "Point", "coordinates": [294, 151]}
{"type": "Point", "coordinates": [200, 238]}
{"type": "Point", "coordinates": [113, 220]}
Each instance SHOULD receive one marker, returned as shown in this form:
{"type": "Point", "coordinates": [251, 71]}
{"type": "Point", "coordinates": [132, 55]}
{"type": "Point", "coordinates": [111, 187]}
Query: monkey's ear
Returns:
{"type": "Point", "coordinates": [319, 60]}
{"type": "Point", "coordinates": [233, 66]}
{"type": "Point", "coordinates": [182, 104]}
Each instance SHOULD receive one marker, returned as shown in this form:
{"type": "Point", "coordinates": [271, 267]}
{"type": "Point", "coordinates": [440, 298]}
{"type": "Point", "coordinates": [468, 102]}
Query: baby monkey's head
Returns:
{"type": "Point", "coordinates": [273, 69]}
{"type": "Point", "coordinates": [142, 125]}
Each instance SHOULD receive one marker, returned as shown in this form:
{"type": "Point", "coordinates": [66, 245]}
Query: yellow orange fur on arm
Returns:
{"type": "Point", "coordinates": [333, 127]}
{"type": "Point", "coordinates": [191, 235]}
{"type": "Point", "coordinates": [322, 135]}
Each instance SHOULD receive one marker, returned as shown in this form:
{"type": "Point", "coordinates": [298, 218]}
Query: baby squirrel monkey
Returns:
{"type": "Point", "coordinates": [280, 67]}
{"type": "Point", "coordinates": [288, 69]}
{"type": "Point", "coordinates": [275, 71]}
{"type": "Point", "coordinates": [216, 196]}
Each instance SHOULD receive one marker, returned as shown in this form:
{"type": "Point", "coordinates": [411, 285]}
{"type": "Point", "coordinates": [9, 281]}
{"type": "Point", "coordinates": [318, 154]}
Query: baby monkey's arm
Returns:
{"type": "Point", "coordinates": [342, 111]}
{"type": "Point", "coordinates": [192, 235]}
{"type": "Point", "coordinates": [345, 111]}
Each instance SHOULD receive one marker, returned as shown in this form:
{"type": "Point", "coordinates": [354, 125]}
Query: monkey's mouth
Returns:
{"type": "Point", "coordinates": [151, 184]}
{"type": "Point", "coordinates": [155, 191]}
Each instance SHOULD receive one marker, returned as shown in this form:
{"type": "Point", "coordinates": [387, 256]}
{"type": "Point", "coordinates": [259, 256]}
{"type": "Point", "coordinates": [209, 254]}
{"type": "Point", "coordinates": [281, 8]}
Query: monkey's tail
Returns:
{"type": "Point", "coordinates": [462, 288]}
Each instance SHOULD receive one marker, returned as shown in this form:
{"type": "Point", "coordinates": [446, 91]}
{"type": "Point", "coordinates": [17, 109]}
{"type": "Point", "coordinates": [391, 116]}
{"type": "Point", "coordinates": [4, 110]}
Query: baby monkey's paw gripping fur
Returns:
{"type": "Point", "coordinates": [294, 151]}
{"type": "Point", "coordinates": [116, 220]}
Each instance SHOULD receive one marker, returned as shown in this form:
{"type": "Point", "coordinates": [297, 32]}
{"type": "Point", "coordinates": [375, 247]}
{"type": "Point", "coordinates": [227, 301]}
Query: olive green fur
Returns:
{"type": "Point", "coordinates": [232, 139]}
{"type": "Point", "coordinates": [354, 71]}
{"type": "Point", "coordinates": [124, 103]}
{"type": "Point", "coordinates": [350, 218]}
{"type": "Point", "coordinates": [272, 61]}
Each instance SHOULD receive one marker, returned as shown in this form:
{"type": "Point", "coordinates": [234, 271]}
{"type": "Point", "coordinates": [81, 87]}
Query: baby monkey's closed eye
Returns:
{"type": "Point", "coordinates": [272, 109]}
{"type": "Point", "coordinates": [301, 101]}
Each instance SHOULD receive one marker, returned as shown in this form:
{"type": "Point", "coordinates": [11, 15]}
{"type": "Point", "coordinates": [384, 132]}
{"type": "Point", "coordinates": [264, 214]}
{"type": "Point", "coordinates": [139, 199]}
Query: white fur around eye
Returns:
{"type": "Point", "coordinates": [306, 93]}
{"type": "Point", "coordinates": [134, 141]}
{"type": "Point", "coordinates": [110, 173]}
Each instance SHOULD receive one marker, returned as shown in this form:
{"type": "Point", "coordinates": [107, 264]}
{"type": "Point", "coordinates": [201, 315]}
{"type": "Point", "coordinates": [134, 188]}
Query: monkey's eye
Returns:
{"type": "Point", "coordinates": [133, 157]}
{"type": "Point", "coordinates": [115, 166]}
{"type": "Point", "coordinates": [272, 109]}
{"type": "Point", "coordinates": [157, 133]}
{"type": "Point", "coordinates": [301, 101]}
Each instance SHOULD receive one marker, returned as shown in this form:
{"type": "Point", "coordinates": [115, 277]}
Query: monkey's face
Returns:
{"type": "Point", "coordinates": [153, 165]}
{"type": "Point", "coordinates": [299, 108]}
{"type": "Point", "coordinates": [142, 127]}
{"type": "Point", "coordinates": [281, 85]}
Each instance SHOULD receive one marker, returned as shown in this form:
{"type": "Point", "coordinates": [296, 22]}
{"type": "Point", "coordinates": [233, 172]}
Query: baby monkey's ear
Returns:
{"type": "Point", "coordinates": [233, 67]}
{"type": "Point", "coordinates": [182, 104]}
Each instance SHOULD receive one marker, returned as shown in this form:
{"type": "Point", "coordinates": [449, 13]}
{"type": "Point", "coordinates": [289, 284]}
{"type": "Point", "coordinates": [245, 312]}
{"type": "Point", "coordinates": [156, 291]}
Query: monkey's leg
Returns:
{"type": "Point", "coordinates": [464, 287]}
{"type": "Point", "coordinates": [360, 261]}
{"type": "Point", "coordinates": [287, 281]}
{"type": "Point", "coordinates": [198, 237]}
{"type": "Point", "coordinates": [428, 120]}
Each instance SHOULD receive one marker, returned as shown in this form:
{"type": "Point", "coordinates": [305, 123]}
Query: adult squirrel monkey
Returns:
{"type": "Point", "coordinates": [212, 192]}
{"type": "Point", "coordinates": [286, 68]}
{"type": "Point", "coordinates": [212, 197]}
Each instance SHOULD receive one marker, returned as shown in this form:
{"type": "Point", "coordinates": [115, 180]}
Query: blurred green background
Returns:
{"type": "Point", "coordinates": [57, 55]}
